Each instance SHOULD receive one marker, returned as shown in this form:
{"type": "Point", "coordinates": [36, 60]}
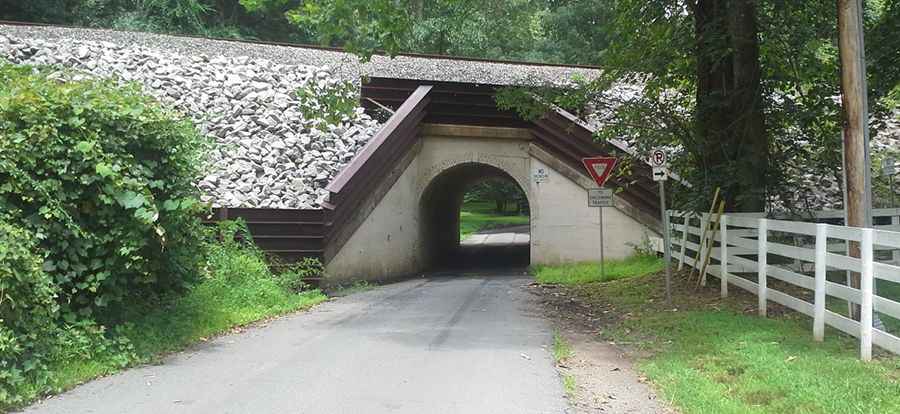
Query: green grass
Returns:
{"type": "Point", "coordinates": [562, 350]}
{"type": "Point", "coordinates": [479, 215]}
{"type": "Point", "coordinates": [212, 308]}
{"type": "Point", "coordinates": [715, 356]}
{"type": "Point", "coordinates": [588, 272]}
{"type": "Point", "coordinates": [569, 385]}
{"type": "Point", "coordinates": [239, 290]}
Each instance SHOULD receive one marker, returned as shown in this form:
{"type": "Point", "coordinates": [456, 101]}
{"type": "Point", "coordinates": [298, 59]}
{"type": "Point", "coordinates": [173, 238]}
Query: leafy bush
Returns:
{"type": "Point", "coordinates": [103, 177]}
{"type": "Point", "coordinates": [295, 276]}
{"type": "Point", "coordinates": [27, 310]}
{"type": "Point", "coordinates": [237, 288]}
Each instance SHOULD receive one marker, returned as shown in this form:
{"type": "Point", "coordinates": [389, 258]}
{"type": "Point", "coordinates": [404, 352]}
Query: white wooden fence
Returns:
{"type": "Point", "coordinates": [808, 251]}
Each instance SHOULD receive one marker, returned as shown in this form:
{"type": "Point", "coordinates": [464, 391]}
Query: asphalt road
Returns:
{"type": "Point", "coordinates": [462, 344]}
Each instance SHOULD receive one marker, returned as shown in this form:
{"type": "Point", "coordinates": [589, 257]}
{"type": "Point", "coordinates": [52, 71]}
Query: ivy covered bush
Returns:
{"type": "Point", "coordinates": [27, 309]}
{"type": "Point", "coordinates": [102, 177]}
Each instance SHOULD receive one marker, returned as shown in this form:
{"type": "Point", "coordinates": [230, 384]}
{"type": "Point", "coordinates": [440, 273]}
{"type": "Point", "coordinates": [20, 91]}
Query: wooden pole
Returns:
{"type": "Point", "coordinates": [711, 241]}
{"type": "Point", "coordinates": [704, 224]}
{"type": "Point", "coordinates": [857, 177]}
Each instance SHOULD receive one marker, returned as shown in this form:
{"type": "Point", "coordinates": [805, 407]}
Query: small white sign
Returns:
{"type": "Point", "coordinates": [660, 173]}
{"type": "Point", "coordinates": [540, 175]}
{"type": "Point", "coordinates": [889, 166]}
{"type": "Point", "coordinates": [658, 158]}
{"type": "Point", "coordinates": [600, 197]}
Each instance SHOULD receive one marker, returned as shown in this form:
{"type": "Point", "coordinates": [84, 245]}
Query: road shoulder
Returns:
{"type": "Point", "coordinates": [601, 376]}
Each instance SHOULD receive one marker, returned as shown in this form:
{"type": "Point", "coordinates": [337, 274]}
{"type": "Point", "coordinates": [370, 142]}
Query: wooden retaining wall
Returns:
{"type": "Point", "coordinates": [287, 234]}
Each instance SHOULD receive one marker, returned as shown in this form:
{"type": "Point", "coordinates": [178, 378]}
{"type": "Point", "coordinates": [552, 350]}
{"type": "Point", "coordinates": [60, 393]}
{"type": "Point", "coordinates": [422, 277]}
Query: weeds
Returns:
{"type": "Point", "coordinates": [562, 350]}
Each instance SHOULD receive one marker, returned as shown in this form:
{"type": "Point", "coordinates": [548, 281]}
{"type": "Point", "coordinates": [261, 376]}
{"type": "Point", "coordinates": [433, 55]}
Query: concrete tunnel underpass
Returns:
{"type": "Point", "coordinates": [440, 205]}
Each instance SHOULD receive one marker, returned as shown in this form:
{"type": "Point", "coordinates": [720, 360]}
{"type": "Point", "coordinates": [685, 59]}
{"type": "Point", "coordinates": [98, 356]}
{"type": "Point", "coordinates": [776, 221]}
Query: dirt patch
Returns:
{"type": "Point", "coordinates": [605, 380]}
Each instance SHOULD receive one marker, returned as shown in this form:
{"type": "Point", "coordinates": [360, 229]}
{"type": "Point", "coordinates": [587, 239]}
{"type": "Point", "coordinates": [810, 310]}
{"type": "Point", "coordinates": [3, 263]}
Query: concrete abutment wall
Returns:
{"type": "Point", "coordinates": [404, 233]}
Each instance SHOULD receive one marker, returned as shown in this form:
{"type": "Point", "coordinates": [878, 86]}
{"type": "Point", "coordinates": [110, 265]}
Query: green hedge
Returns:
{"type": "Point", "coordinates": [102, 176]}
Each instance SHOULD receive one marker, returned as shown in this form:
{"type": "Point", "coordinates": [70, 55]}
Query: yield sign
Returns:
{"type": "Point", "coordinates": [599, 168]}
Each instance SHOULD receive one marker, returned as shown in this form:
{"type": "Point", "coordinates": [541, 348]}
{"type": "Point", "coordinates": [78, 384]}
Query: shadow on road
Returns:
{"type": "Point", "coordinates": [515, 256]}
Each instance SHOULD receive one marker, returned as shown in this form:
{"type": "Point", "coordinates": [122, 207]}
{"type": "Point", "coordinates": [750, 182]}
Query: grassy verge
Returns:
{"type": "Point", "coordinates": [579, 273]}
{"type": "Point", "coordinates": [238, 290]}
{"type": "Point", "coordinates": [711, 355]}
{"type": "Point", "coordinates": [477, 216]}
{"type": "Point", "coordinates": [562, 350]}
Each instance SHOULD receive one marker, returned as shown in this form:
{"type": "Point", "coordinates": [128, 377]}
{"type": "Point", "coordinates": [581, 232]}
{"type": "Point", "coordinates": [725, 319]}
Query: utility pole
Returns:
{"type": "Point", "coordinates": [854, 101]}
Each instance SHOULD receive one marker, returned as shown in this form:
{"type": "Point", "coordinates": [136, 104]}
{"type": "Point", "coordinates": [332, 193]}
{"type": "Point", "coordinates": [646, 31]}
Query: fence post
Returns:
{"type": "Point", "coordinates": [895, 254]}
{"type": "Point", "coordinates": [819, 301]}
{"type": "Point", "coordinates": [684, 236]}
{"type": "Point", "coordinates": [865, 290]}
{"type": "Point", "coordinates": [762, 250]}
{"type": "Point", "coordinates": [723, 255]}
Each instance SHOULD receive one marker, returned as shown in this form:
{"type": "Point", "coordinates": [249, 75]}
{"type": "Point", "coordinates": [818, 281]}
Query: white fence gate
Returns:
{"type": "Point", "coordinates": [801, 254]}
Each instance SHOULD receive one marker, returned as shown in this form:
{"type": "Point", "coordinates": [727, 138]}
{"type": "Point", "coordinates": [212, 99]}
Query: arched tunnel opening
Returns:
{"type": "Point", "coordinates": [475, 216]}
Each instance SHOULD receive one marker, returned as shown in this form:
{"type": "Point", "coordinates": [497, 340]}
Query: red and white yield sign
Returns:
{"type": "Point", "coordinates": [599, 168]}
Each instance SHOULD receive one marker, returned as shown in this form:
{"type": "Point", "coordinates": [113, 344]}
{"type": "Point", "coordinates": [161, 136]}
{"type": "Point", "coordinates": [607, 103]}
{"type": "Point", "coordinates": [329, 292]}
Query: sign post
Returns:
{"type": "Point", "coordinates": [658, 160]}
{"type": "Point", "coordinates": [889, 169]}
{"type": "Point", "coordinates": [600, 168]}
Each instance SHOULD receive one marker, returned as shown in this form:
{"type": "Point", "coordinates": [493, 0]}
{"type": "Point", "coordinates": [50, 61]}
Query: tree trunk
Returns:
{"type": "Point", "coordinates": [730, 122]}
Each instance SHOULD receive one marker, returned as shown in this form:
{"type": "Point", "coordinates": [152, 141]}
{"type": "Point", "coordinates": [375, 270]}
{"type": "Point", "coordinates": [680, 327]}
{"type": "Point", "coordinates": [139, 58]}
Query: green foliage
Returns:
{"type": "Point", "coordinates": [295, 276]}
{"type": "Point", "coordinates": [359, 26]}
{"type": "Point", "coordinates": [103, 178]}
{"type": "Point", "coordinates": [655, 44]}
{"type": "Point", "coordinates": [589, 272]}
{"type": "Point", "coordinates": [475, 216]}
{"type": "Point", "coordinates": [27, 311]}
{"type": "Point", "coordinates": [499, 191]}
{"type": "Point", "coordinates": [32, 342]}
{"type": "Point", "coordinates": [644, 247]}
{"type": "Point", "coordinates": [236, 288]}
{"type": "Point", "coordinates": [328, 103]}
{"type": "Point", "coordinates": [243, 19]}
{"type": "Point", "coordinates": [179, 13]}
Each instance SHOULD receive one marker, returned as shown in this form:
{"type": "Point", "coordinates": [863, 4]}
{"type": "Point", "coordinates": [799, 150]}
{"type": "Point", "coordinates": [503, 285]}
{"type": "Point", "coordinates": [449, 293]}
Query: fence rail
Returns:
{"type": "Point", "coordinates": [748, 251]}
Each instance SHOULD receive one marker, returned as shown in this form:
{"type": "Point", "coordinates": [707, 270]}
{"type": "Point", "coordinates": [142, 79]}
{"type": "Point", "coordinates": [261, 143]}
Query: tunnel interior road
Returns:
{"type": "Point", "coordinates": [441, 203]}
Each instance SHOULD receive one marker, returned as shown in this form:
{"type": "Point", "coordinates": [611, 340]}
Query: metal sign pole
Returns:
{"type": "Point", "coordinates": [667, 248]}
{"type": "Point", "coordinates": [600, 168]}
{"type": "Point", "coordinates": [658, 160]}
{"type": "Point", "coordinates": [602, 264]}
